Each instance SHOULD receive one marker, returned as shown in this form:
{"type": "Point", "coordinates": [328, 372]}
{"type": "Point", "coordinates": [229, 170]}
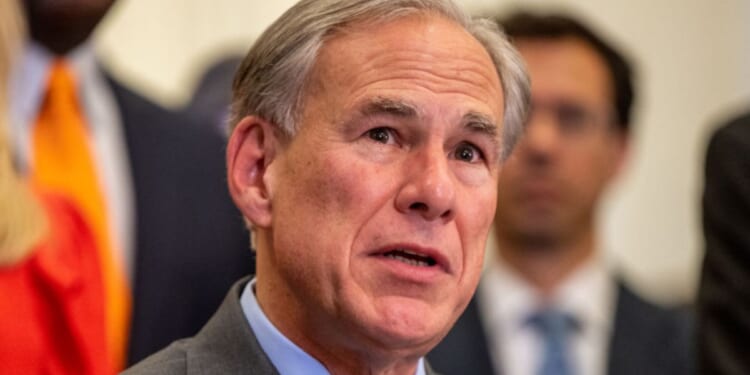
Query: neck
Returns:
{"type": "Point", "coordinates": [56, 42]}
{"type": "Point", "coordinates": [545, 264]}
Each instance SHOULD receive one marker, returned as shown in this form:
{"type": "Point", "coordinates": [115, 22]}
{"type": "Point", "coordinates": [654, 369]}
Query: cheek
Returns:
{"type": "Point", "coordinates": [347, 186]}
{"type": "Point", "coordinates": [336, 194]}
{"type": "Point", "coordinates": [311, 225]}
{"type": "Point", "coordinates": [474, 176]}
{"type": "Point", "coordinates": [594, 168]}
{"type": "Point", "coordinates": [475, 223]}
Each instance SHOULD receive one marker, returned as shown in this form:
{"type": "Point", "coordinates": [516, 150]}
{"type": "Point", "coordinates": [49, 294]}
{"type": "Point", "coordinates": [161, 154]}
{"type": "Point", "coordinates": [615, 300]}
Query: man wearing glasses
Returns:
{"type": "Point", "coordinates": [548, 304]}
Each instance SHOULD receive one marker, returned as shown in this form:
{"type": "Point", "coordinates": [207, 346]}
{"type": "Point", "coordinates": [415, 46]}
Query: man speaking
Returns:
{"type": "Point", "coordinates": [367, 140]}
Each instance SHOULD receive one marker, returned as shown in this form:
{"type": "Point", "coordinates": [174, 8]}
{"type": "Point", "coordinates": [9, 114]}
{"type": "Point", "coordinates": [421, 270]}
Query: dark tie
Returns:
{"type": "Point", "coordinates": [555, 328]}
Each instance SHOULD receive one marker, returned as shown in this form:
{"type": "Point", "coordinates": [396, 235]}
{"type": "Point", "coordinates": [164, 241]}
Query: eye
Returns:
{"type": "Point", "coordinates": [573, 118]}
{"type": "Point", "coordinates": [381, 135]}
{"type": "Point", "coordinates": [468, 153]}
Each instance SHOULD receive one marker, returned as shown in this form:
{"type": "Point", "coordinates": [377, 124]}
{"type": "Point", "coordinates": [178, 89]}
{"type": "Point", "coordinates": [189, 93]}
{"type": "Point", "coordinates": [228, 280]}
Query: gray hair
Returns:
{"type": "Point", "coordinates": [270, 82]}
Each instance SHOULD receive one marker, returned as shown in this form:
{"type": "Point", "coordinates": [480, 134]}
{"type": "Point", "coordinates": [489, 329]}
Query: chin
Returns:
{"type": "Point", "coordinates": [404, 323]}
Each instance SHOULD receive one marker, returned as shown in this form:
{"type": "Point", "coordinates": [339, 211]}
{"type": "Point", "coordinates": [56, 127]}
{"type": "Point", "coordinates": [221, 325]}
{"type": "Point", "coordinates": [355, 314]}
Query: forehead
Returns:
{"type": "Point", "coordinates": [423, 53]}
{"type": "Point", "coordinates": [566, 68]}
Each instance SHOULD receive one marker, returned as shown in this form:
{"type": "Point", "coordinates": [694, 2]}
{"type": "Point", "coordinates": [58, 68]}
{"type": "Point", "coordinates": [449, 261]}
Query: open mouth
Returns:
{"type": "Point", "coordinates": [411, 258]}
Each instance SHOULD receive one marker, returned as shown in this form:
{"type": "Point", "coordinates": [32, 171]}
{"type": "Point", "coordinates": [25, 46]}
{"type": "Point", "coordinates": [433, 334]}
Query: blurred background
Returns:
{"type": "Point", "coordinates": [693, 71]}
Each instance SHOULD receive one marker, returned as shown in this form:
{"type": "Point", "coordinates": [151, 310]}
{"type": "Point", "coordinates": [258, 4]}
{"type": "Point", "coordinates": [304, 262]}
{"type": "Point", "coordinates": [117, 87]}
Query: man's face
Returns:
{"type": "Point", "coordinates": [550, 187]}
{"type": "Point", "coordinates": [382, 202]}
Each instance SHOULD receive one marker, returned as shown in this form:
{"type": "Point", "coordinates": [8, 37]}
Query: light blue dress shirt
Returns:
{"type": "Point", "coordinates": [287, 357]}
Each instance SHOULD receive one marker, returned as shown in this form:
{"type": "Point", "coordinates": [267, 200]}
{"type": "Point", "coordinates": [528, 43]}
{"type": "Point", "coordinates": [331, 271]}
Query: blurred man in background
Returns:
{"type": "Point", "coordinates": [548, 303]}
{"type": "Point", "coordinates": [149, 183]}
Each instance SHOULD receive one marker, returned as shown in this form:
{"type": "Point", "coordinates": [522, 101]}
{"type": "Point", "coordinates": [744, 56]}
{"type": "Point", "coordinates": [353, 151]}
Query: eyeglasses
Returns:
{"type": "Point", "coordinates": [573, 119]}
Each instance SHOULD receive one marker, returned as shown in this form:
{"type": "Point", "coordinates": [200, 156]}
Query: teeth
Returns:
{"type": "Point", "coordinates": [409, 261]}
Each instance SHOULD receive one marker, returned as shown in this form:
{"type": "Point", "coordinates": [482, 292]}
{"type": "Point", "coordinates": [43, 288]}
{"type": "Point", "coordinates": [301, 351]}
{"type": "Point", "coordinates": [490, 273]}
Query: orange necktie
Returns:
{"type": "Point", "coordinates": [63, 163]}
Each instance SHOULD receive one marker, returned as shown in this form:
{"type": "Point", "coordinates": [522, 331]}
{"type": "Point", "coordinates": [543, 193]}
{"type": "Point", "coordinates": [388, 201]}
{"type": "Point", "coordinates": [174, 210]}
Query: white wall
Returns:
{"type": "Point", "coordinates": [693, 62]}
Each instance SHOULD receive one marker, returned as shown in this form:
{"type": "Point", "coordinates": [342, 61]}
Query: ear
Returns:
{"type": "Point", "coordinates": [251, 148]}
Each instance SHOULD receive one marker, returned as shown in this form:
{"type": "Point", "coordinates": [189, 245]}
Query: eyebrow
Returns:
{"type": "Point", "coordinates": [473, 121]}
{"type": "Point", "coordinates": [388, 106]}
{"type": "Point", "coordinates": [480, 123]}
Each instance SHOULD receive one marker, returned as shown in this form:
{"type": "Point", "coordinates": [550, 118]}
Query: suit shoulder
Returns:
{"type": "Point", "coordinates": [738, 125]}
{"type": "Point", "coordinates": [160, 139]}
{"type": "Point", "coordinates": [146, 120]}
{"type": "Point", "coordinates": [633, 306]}
{"type": "Point", "coordinates": [134, 102]}
{"type": "Point", "coordinates": [171, 360]}
{"type": "Point", "coordinates": [733, 134]}
{"type": "Point", "coordinates": [649, 338]}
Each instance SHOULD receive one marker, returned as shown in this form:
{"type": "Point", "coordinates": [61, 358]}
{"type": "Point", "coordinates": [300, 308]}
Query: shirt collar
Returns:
{"type": "Point", "coordinates": [589, 294]}
{"type": "Point", "coordinates": [507, 299]}
{"type": "Point", "coordinates": [288, 358]}
{"type": "Point", "coordinates": [30, 75]}
{"type": "Point", "coordinates": [27, 84]}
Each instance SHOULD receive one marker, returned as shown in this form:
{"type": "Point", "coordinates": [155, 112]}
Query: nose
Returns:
{"type": "Point", "coordinates": [430, 188]}
{"type": "Point", "coordinates": [541, 139]}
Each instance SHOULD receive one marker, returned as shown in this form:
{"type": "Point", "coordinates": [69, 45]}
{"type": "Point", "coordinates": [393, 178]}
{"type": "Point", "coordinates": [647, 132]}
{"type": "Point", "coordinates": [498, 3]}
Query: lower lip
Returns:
{"type": "Point", "coordinates": [408, 272]}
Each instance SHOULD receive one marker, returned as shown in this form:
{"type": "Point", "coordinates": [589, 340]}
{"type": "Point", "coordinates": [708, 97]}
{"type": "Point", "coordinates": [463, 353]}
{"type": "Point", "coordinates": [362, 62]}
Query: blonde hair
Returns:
{"type": "Point", "coordinates": [22, 221]}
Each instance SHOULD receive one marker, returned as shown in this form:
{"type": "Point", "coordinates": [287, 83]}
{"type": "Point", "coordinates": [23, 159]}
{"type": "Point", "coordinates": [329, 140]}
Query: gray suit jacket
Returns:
{"type": "Point", "coordinates": [225, 345]}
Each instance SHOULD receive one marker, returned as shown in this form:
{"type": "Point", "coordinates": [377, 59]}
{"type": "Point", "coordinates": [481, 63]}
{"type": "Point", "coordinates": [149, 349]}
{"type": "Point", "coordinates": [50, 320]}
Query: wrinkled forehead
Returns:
{"type": "Point", "coordinates": [440, 48]}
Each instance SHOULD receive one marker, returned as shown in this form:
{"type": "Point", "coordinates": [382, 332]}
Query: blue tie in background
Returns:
{"type": "Point", "coordinates": [555, 328]}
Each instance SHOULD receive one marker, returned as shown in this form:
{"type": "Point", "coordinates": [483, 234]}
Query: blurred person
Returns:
{"type": "Point", "coordinates": [548, 303]}
{"type": "Point", "coordinates": [52, 305]}
{"type": "Point", "coordinates": [723, 296]}
{"type": "Point", "coordinates": [146, 181]}
{"type": "Point", "coordinates": [210, 101]}
{"type": "Point", "coordinates": [367, 140]}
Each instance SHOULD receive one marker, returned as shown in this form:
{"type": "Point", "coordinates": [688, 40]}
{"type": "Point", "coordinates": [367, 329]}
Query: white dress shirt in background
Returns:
{"type": "Point", "coordinates": [505, 302]}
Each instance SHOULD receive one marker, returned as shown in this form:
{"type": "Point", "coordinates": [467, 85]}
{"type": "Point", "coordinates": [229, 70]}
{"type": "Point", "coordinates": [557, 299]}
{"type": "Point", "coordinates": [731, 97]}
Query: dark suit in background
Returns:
{"type": "Point", "coordinates": [724, 292]}
{"type": "Point", "coordinates": [182, 211]}
{"type": "Point", "coordinates": [212, 96]}
{"type": "Point", "coordinates": [647, 339]}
